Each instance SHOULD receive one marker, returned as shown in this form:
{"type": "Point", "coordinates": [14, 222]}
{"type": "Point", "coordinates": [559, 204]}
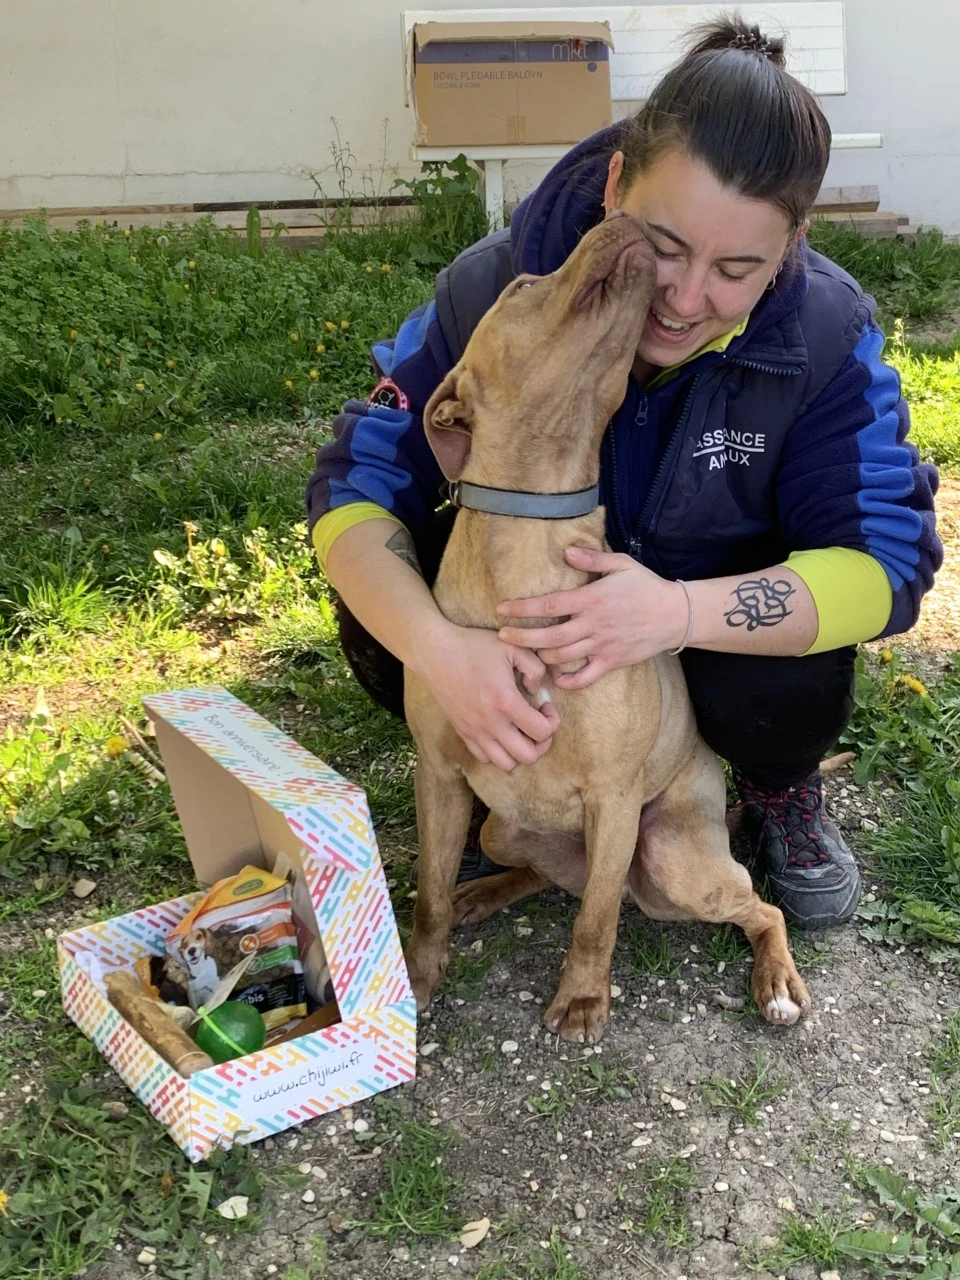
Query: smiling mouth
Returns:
{"type": "Point", "coordinates": [674, 326]}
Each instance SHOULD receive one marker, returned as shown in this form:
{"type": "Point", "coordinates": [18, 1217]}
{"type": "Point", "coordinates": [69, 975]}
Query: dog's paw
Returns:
{"type": "Point", "coordinates": [474, 901]}
{"type": "Point", "coordinates": [579, 1019]}
{"type": "Point", "coordinates": [426, 967]}
{"type": "Point", "coordinates": [779, 992]}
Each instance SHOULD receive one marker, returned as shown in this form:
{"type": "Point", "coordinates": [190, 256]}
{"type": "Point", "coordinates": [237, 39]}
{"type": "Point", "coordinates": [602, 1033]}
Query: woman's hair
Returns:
{"type": "Point", "coordinates": [730, 104]}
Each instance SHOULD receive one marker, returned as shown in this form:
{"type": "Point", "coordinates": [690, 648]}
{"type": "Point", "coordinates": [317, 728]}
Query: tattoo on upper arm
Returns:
{"type": "Point", "coordinates": [760, 603]}
{"type": "Point", "coordinates": [401, 544]}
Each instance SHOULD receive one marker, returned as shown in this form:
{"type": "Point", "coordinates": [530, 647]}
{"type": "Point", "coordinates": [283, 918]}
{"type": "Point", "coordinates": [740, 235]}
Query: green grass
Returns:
{"type": "Point", "coordinates": [552, 1261]}
{"type": "Point", "coordinates": [944, 1112]}
{"type": "Point", "coordinates": [919, 1240]}
{"type": "Point", "coordinates": [75, 1177]}
{"type": "Point", "coordinates": [655, 1201]}
{"type": "Point", "coordinates": [746, 1093]}
{"type": "Point", "coordinates": [589, 1081]}
{"type": "Point", "coordinates": [910, 735]}
{"type": "Point", "coordinates": [416, 1200]}
{"type": "Point", "coordinates": [914, 281]}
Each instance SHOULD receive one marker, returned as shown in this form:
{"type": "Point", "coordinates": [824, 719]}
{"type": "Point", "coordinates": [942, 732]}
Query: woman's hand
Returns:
{"type": "Point", "coordinates": [627, 616]}
{"type": "Point", "coordinates": [473, 676]}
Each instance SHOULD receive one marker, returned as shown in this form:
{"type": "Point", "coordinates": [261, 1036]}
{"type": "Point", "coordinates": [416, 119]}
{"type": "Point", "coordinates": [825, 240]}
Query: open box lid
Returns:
{"type": "Point", "coordinates": [241, 785]}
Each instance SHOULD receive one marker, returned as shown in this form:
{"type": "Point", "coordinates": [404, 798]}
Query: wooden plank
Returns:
{"type": "Point", "coordinates": [309, 219]}
{"type": "Point", "coordinates": [864, 199]}
{"type": "Point", "coordinates": [102, 212]}
{"type": "Point", "coordinates": [872, 226]}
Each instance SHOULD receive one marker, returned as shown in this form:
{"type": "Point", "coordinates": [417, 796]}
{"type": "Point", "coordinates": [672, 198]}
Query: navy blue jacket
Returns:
{"type": "Point", "coordinates": [792, 438]}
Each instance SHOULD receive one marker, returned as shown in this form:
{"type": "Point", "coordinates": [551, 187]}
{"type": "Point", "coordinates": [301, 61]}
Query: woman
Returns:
{"type": "Point", "coordinates": [764, 509]}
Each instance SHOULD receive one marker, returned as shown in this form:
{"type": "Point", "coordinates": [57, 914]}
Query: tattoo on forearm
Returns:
{"type": "Point", "coordinates": [760, 603]}
{"type": "Point", "coordinates": [401, 544]}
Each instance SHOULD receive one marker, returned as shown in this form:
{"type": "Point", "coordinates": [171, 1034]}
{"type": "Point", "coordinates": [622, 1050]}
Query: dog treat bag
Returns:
{"type": "Point", "coordinates": [243, 915]}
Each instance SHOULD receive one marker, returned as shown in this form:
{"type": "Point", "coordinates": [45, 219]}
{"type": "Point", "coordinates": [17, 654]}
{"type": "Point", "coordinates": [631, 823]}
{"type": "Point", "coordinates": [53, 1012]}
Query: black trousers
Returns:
{"type": "Point", "coordinates": [773, 719]}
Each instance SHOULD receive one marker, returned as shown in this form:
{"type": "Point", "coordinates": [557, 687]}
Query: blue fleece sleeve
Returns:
{"type": "Point", "coordinates": [380, 454]}
{"type": "Point", "coordinates": [849, 477]}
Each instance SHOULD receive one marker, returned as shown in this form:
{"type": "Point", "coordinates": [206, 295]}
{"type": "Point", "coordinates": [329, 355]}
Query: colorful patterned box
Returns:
{"type": "Point", "coordinates": [245, 792]}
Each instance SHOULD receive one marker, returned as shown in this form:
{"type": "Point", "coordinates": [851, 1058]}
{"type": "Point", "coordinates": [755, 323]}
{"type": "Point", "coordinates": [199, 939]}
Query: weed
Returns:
{"type": "Point", "coordinates": [656, 1200]}
{"type": "Point", "coordinates": [645, 949]}
{"type": "Point", "coordinates": [944, 1112]}
{"type": "Point", "coordinates": [316, 1268]}
{"type": "Point", "coordinates": [450, 211]}
{"type": "Point", "coordinates": [726, 945]}
{"type": "Point", "coordinates": [591, 1080]}
{"type": "Point", "coordinates": [553, 1261]}
{"type": "Point", "coordinates": [801, 1240]}
{"type": "Point", "coordinates": [416, 1199]}
{"type": "Point", "coordinates": [912, 734]}
{"type": "Point", "coordinates": [914, 281]}
{"type": "Point", "coordinates": [747, 1092]}
{"type": "Point", "coordinates": [78, 1177]}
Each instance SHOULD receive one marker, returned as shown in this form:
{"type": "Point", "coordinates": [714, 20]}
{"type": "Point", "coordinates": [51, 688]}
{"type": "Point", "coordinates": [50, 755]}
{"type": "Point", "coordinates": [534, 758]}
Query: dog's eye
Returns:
{"type": "Point", "coordinates": [524, 284]}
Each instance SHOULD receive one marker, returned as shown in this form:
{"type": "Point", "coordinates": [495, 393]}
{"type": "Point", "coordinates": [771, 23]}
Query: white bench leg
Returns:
{"type": "Point", "coordinates": [493, 192]}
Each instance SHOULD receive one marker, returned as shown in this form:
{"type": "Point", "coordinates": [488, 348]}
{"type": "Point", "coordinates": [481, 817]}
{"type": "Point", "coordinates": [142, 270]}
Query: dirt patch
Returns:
{"type": "Point", "coordinates": [854, 1083]}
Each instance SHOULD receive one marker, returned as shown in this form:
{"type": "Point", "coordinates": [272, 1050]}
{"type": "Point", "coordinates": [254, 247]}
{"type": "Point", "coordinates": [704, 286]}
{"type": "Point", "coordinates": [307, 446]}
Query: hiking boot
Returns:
{"type": "Point", "coordinates": [474, 863]}
{"type": "Point", "coordinates": [811, 872]}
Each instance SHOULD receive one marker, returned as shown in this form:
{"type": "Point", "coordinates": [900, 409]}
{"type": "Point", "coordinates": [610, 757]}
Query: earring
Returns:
{"type": "Point", "coordinates": [773, 282]}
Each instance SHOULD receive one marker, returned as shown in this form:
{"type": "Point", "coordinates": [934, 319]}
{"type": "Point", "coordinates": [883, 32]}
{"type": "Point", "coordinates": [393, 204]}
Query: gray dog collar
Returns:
{"type": "Point", "coordinates": [518, 502]}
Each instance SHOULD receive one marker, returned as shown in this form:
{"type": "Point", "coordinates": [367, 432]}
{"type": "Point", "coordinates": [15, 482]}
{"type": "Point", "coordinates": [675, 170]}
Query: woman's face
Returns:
{"type": "Point", "coordinates": [716, 252]}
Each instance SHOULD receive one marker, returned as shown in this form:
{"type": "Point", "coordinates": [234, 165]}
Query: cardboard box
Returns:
{"type": "Point", "coordinates": [509, 83]}
{"type": "Point", "coordinates": [247, 793]}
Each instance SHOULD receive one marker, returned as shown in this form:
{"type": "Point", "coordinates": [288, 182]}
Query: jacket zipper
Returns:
{"type": "Point", "coordinates": [635, 540]}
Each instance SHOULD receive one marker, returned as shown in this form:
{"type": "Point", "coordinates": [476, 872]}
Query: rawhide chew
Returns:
{"type": "Point", "coordinates": [158, 1029]}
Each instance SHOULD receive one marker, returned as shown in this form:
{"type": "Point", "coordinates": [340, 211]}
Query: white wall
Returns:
{"type": "Point", "coordinates": [107, 102]}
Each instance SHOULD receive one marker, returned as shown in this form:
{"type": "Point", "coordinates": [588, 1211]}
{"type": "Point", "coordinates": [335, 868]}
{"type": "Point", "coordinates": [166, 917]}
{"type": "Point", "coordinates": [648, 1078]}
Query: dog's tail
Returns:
{"type": "Point", "coordinates": [735, 816]}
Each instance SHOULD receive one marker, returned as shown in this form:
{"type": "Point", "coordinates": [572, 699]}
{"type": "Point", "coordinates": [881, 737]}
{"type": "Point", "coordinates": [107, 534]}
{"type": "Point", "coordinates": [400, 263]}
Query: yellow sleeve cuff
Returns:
{"type": "Point", "coordinates": [330, 526]}
{"type": "Point", "coordinates": [851, 591]}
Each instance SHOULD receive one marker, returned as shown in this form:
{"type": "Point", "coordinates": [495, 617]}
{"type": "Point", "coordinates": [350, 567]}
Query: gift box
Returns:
{"type": "Point", "coordinates": [247, 794]}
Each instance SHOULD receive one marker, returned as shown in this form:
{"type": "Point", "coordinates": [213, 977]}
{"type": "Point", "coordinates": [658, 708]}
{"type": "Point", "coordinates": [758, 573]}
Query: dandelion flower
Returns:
{"type": "Point", "coordinates": [344, 324]}
{"type": "Point", "coordinates": [294, 336]}
{"type": "Point", "coordinates": [329, 326]}
{"type": "Point", "coordinates": [127, 233]}
{"type": "Point", "coordinates": [320, 348]}
{"type": "Point", "coordinates": [86, 482]}
{"type": "Point", "coordinates": [171, 363]}
{"type": "Point", "coordinates": [158, 435]}
{"type": "Point", "coordinates": [368, 270]}
{"type": "Point", "coordinates": [192, 265]}
{"type": "Point", "coordinates": [58, 420]}
{"type": "Point", "coordinates": [105, 548]}
{"type": "Point", "coordinates": [313, 375]}
{"type": "Point", "coordinates": [115, 746]}
{"type": "Point", "coordinates": [385, 266]}
{"type": "Point", "coordinates": [288, 384]}
{"type": "Point", "coordinates": [917, 686]}
{"type": "Point", "coordinates": [140, 386]}
{"type": "Point", "coordinates": [4, 1201]}
{"type": "Point", "coordinates": [186, 288]}
{"type": "Point", "coordinates": [73, 335]}
{"type": "Point", "coordinates": [886, 655]}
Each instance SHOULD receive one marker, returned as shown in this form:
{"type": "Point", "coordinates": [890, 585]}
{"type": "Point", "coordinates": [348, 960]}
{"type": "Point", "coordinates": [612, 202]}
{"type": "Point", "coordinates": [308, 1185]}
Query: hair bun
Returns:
{"type": "Point", "coordinates": [752, 39]}
{"type": "Point", "coordinates": [732, 32]}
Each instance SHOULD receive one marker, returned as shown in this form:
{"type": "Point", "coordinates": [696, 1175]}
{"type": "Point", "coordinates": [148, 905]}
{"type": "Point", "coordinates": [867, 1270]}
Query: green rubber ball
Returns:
{"type": "Point", "coordinates": [233, 1021]}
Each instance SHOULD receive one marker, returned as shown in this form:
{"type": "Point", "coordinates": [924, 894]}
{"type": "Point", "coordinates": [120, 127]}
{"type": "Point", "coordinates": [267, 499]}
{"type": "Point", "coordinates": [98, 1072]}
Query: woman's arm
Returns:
{"type": "Point", "coordinates": [472, 674]}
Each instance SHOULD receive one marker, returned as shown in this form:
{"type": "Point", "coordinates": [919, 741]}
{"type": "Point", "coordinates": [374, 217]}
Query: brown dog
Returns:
{"type": "Point", "coordinates": [628, 803]}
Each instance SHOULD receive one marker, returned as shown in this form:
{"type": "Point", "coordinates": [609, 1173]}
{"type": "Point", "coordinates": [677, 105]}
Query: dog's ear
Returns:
{"type": "Point", "coordinates": [446, 421]}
